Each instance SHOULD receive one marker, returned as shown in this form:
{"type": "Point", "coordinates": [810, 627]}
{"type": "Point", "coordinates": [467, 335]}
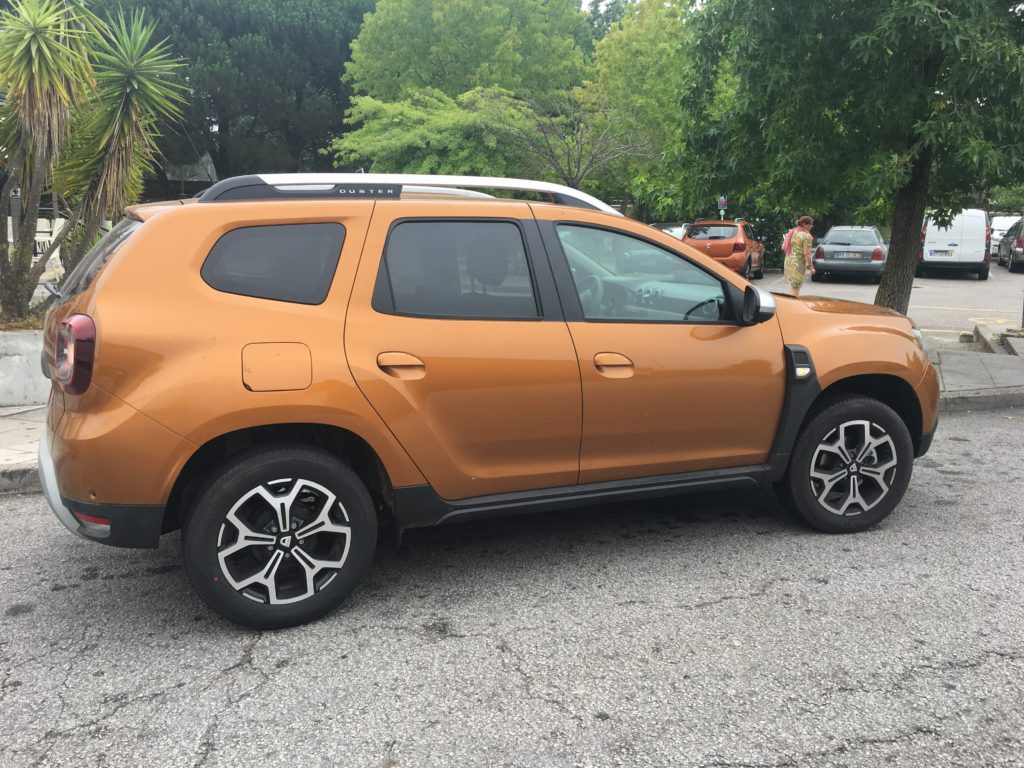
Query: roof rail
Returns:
{"type": "Point", "coordinates": [306, 186]}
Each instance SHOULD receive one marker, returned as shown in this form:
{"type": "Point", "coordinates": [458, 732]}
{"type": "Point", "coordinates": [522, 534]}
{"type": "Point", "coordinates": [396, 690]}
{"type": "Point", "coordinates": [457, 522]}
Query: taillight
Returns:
{"type": "Point", "coordinates": [76, 347]}
{"type": "Point", "coordinates": [877, 255]}
{"type": "Point", "coordinates": [1020, 242]}
{"type": "Point", "coordinates": [739, 246]}
{"type": "Point", "coordinates": [819, 253]}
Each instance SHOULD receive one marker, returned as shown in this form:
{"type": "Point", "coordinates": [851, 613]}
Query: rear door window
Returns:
{"type": "Point", "coordinates": [458, 269]}
{"type": "Point", "coordinates": [287, 262]}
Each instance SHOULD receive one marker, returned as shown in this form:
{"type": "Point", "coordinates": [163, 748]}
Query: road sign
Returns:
{"type": "Point", "coordinates": [723, 203]}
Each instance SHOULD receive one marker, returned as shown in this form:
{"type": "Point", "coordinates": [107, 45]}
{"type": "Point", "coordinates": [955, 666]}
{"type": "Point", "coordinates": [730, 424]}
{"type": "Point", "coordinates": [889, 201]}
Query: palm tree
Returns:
{"type": "Point", "coordinates": [83, 100]}
{"type": "Point", "coordinates": [45, 71]}
{"type": "Point", "coordinates": [114, 139]}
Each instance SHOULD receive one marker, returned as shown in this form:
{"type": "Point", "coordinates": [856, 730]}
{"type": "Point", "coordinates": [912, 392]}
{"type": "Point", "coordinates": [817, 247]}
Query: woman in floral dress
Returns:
{"type": "Point", "coordinates": [799, 249]}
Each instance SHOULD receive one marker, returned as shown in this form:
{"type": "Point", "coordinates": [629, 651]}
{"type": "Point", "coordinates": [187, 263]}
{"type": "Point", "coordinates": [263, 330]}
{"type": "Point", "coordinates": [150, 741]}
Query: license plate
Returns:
{"type": "Point", "coordinates": [852, 255]}
{"type": "Point", "coordinates": [942, 254]}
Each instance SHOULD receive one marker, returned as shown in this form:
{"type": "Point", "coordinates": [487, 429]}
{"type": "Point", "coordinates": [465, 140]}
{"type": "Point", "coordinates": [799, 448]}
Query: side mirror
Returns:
{"type": "Point", "coordinates": [758, 306]}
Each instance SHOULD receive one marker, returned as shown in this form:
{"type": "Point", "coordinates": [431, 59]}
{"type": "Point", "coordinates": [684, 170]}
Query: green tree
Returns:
{"type": "Point", "coordinates": [527, 47]}
{"type": "Point", "coordinates": [907, 102]}
{"type": "Point", "coordinates": [264, 77]}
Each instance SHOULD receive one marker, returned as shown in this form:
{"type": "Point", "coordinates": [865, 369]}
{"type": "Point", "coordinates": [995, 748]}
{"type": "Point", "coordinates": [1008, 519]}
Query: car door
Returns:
{"type": "Point", "coordinates": [942, 244]}
{"type": "Point", "coordinates": [671, 384]}
{"type": "Point", "coordinates": [456, 337]}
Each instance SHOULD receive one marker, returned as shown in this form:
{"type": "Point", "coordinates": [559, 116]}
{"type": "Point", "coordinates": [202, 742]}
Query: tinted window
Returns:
{"type": "Point", "coordinates": [622, 278]}
{"type": "Point", "coordinates": [710, 231]}
{"type": "Point", "coordinates": [467, 269]}
{"type": "Point", "coordinates": [289, 262]}
{"type": "Point", "coordinates": [86, 270]}
{"type": "Point", "coordinates": [850, 237]}
{"type": "Point", "coordinates": [748, 232]}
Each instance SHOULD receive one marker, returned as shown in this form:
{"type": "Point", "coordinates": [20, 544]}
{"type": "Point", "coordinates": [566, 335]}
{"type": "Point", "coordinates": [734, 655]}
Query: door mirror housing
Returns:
{"type": "Point", "coordinates": [757, 306]}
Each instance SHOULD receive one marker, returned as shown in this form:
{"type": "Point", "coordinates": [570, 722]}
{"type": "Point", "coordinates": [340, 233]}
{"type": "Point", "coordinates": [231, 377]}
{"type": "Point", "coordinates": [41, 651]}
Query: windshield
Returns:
{"type": "Point", "coordinates": [850, 237]}
{"type": "Point", "coordinates": [79, 279]}
{"type": "Point", "coordinates": [710, 231]}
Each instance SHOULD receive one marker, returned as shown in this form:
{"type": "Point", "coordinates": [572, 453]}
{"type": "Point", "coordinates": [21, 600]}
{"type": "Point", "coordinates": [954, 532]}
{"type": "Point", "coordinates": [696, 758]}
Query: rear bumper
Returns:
{"type": "Point", "coordinates": [840, 266]}
{"type": "Point", "coordinates": [119, 525]}
{"type": "Point", "coordinates": [933, 264]}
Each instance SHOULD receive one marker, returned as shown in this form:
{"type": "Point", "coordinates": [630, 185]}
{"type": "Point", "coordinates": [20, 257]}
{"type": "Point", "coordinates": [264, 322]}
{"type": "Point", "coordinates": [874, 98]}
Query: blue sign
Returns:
{"type": "Point", "coordinates": [723, 203]}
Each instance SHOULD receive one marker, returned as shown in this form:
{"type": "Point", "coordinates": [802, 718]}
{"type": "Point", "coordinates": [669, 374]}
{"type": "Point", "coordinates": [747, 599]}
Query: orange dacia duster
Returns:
{"type": "Point", "coordinates": [290, 362]}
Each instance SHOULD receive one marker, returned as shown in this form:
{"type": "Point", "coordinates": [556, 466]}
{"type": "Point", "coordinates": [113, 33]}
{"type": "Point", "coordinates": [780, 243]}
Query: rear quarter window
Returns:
{"type": "Point", "coordinates": [80, 278]}
{"type": "Point", "coordinates": [286, 262]}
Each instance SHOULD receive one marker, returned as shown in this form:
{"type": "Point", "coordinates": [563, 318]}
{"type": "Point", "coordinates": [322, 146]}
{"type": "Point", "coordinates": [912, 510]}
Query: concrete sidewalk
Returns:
{"type": "Point", "coordinates": [969, 381]}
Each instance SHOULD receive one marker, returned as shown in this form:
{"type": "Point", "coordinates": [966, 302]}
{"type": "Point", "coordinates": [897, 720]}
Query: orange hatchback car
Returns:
{"type": "Point", "coordinates": [290, 363]}
{"type": "Point", "coordinates": [729, 242]}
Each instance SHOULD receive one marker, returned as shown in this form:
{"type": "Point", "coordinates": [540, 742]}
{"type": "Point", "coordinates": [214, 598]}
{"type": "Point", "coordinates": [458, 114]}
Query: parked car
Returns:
{"type": "Point", "coordinates": [674, 228]}
{"type": "Point", "coordinates": [731, 243]}
{"type": "Point", "coordinates": [964, 245]}
{"type": "Point", "coordinates": [1000, 226]}
{"type": "Point", "coordinates": [1011, 247]}
{"type": "Point", "coordinates": [319, 358]}
{"type": "Point", "coordinates": [851, 251]}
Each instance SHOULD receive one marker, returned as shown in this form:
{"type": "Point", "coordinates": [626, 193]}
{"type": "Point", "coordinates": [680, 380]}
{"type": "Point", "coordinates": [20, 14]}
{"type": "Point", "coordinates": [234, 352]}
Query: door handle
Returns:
{"type": "Point", "coordinates": [613, 365]}
{"type": "Point", "coordinates": [401, 365]}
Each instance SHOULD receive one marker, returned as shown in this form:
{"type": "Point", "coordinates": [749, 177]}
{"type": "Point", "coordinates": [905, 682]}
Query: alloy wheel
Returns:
{"type": "Point", "coordinates": [284, 541]}
{"type": "Point", "coordinates": [853, 468]}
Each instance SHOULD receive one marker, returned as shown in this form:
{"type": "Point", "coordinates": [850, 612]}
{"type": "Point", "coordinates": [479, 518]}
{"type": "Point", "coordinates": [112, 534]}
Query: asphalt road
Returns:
{"type": "Point", "coordinates": [704, 631]}
{"type": "Point", "coordinates": [943, 305]}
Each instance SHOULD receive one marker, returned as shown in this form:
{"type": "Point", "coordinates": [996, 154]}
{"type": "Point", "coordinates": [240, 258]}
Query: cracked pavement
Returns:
{"type": "Point", "coordinates": [699, 631]}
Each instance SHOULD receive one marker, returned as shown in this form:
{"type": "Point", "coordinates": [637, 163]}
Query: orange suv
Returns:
{"type": "Point", "coordinates": [730, 242]}
{"type": "Point", "coordinates": [292, 362]}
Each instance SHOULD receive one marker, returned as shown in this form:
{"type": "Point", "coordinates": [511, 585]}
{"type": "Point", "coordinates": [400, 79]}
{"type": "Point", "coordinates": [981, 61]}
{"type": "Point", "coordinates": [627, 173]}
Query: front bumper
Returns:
{"type": "Point", "coordinates": [119, 525]}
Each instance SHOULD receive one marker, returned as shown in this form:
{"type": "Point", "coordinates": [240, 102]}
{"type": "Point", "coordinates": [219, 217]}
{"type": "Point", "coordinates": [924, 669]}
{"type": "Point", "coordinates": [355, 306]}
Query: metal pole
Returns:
{"type": "Point", "coordinates": [15, 213]}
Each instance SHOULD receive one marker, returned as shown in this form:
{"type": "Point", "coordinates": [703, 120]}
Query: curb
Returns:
{"type": "Point", "coordinates": [981, 400]}
{"type": "Point", "coordinates": [21, 478]}
{"type": "Point", "coordinates": [24, 478]}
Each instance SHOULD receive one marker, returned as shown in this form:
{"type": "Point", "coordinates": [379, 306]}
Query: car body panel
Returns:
{"type": "Point", "coordinates": [499, 406]}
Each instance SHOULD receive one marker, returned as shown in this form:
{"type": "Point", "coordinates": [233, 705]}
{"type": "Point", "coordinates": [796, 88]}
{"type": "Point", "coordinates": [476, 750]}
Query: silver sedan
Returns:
{"type": "Point", "coordinates": [850, 251]}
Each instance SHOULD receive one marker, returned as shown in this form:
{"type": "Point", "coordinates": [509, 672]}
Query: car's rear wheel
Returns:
{"type": "Point", "coordinates": [816, 277]}
{"type": "Point", "coordinates": [850, 466]}
{"type": "Point", "coordinates": [279, 537]}
{"type": "Point", "coordinates": [1013, 263]}
{"type": "Point", "coordinates": [918, 271]}
{"type": "Point", "coordinates": [760, 269]}
{"type": "Point", "coordinates": [983, 273]}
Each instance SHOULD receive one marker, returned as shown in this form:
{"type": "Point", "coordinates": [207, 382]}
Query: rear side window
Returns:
{"type": "Point", "coordinates": [458, 269]}
{"type": "Point", "coordinates": [79, 278]}
{"type": "Point", "coordinates": [710, 231]}
{"type": "Point", "coordinates": [287, 262]}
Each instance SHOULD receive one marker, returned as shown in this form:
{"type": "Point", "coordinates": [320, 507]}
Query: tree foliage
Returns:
{"type": "Point", "coordinates": [901, 101]}
{"type": "Point", "coordinates": [526, 47]}
{"type": "Point", "coordinates": [264, 77]}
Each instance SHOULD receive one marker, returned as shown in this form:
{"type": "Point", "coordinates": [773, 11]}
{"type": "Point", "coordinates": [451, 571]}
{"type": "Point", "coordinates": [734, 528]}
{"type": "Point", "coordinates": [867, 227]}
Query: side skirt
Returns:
{"type": "Point", "coordinates": [419, 506]}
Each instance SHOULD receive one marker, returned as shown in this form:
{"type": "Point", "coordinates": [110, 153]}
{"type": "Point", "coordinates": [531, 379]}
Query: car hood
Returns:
{"type": "Point", "coordinates": [842, 307]}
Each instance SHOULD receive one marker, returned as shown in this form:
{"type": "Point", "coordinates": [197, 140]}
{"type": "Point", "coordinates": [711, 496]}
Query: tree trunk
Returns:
{"type": "Point", "coordinates": [907, 220]}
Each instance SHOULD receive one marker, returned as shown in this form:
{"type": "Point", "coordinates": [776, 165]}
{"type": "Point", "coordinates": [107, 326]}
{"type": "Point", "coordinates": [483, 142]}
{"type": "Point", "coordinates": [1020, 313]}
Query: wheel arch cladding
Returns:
{"type": "Point", "coordinates": [346, 445]}
{"type": "Point", "coordinates": [891, 390]}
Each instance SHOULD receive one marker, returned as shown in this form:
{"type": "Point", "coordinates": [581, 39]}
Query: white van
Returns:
{"type": "Point", "coordinates": [964, 245]}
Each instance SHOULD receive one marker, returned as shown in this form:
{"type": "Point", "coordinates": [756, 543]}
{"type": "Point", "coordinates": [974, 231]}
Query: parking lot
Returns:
{"type": "Point", "coordinates": [942, 304]}
{"type": "Point", "coordinates": [702, 631]}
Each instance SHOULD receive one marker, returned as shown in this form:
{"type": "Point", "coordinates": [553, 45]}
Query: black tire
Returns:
{"type": "Point", "coordinates": [1000, 260]}
{"type": "Point", "coordinates": [877, 279]}
{"type": "Point", "coordinates": [918, 271]}
{"type": "Point", "coordinates": [1013, 264]}
{"type": "Point", "coordinates": [760, 269]}
{"type": "Point", "coordinates": [983, 273]}
{"type": "Point", "coordinates": [849, 422]}
{"type": "Point", "coordinates": [238, 488]}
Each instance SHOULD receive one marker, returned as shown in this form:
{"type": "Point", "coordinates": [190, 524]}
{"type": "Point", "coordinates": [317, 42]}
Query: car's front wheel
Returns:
{"type": "Point", "coordinates": [850, 466]}
{"type": "Point", "coordinates": [279, 537]}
